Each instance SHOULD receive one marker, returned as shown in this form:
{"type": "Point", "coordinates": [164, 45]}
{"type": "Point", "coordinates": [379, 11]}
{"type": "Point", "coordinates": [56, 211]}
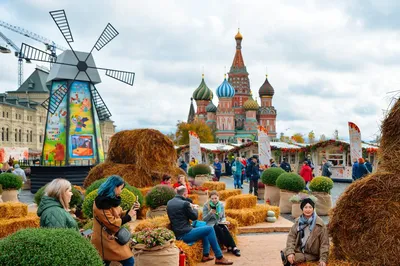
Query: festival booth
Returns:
{"type": "Point", "coordinates": [338, 153]}
{"type": "Point", "coordinates": [209, 151]}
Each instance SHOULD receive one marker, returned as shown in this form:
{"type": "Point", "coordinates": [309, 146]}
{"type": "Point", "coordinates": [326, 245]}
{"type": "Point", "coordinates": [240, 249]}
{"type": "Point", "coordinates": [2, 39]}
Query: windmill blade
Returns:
{"type": "Point", "coordinates": [102, 110]}
{"type": "Point", "coordinates": [28, 52]}
{"type": "Point", "coordinates": [60, 18]}
{"type": "Point", "coordinates": [106, 36]}
{"type": "Point", "coordinates": [55, 99]}
{"type": "Point", "coordinates": [124, 76]}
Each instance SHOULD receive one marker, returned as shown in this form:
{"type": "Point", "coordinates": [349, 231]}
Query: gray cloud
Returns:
{"type": "Point", "coordinates": [318, 88]}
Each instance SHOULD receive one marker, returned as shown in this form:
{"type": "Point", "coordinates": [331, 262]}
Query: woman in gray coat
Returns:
{"type": "Point", "coordinates": [214, 215]}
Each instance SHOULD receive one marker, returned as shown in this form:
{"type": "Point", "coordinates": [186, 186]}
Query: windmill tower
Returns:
{"type": "Point", "coordinates": [75, 107]}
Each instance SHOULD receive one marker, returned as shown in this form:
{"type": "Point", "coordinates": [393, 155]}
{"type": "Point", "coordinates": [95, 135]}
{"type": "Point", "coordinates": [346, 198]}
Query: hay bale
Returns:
{"type": "Point", "coordinates": [194, 253]}
{"type": "Point", "coordinates": [241, 202]}
{"type": "Point", "coordinates": [275, 209]}
{"type": "Point", "coordinates": [141, 214]}
{"type": "Point", "coordinates": [9, 210]}
{"type": "Point", "coordinates": [144, 190]}
{"type": "Point", "coordinates": [194, 198]}
{"type": "Point", "coordinates": [211, 185]}
{"type": "Point", "coordinates": [224, 194]}
{"type": "Point", "coordinates": [10, 226]}
{"type": "Point", "coordinates": [250, 216]}
{"type": "Point", "coordinates": [146, 148]}
{"type": "Point", "coordinates": [134, 175]}
{"type": "Point", "coordinates": [161, 221]}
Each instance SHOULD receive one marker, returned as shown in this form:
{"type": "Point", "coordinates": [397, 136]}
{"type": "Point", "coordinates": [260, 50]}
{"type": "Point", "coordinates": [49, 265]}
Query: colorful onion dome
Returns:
{"type": "Point", "coordinates": [202, 92]}
{"type": "Point", "coordinates": [266, 89]}
{"type": "Point", "coordinates": [225, 90]}
{"type": "Point", "coordinates": [211, 108]}
{"type": "Point", "coordinates": [250, 104]}
{"type": "Point", "coordinates": [238, 36]}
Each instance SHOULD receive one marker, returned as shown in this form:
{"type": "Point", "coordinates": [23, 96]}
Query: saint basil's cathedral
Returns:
{"type": "Point", "coordinates": [237, 116]}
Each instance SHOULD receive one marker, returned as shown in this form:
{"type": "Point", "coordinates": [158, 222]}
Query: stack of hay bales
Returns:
{"type": "Point", "coordinates": [14, 216]}
{"type": "Point", "coordinates": [212, 185]}
{"type": "Point", "coordinates": [227, 193]}
{"type": "Point", "coordinates": [364, 225]}
{"type": "Point", "coordinates": [246, 211]}
{"type": "Point", "coordinates": [142, 157]}
{"type": "Point", "coordinates": [194, 253]}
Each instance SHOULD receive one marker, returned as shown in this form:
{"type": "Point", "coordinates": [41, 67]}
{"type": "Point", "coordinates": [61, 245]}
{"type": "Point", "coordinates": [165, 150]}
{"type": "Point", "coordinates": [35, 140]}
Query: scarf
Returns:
{"type": "Point", "coordinates": [217, 207]}
{"type": "Point", "coordinates": [303, 223]}
{"type": "Point", "coordinates": [105, 203]}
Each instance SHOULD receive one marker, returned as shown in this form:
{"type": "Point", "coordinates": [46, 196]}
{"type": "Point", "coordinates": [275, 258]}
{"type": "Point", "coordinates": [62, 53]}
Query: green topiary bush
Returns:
{"type": "Point", "coordinates": [76, 199]}
{"type": "Point", "coordinates": [201, 169]}
{"type": "Point", "coordinates": [96, 184]}
{"type": "Point", "coordinates": [190, 172]}
{"type": "Point", "coordinates": [321, 184]}
{"type": "Point", "coordinates": [159, 196]}
{"type": "Point", "coordinates": [41, 246]}
{"type": "Point", "coordinates": [10, 181]}
{"type": "Point", "coordinates": [290, 181]}
{"type": "Point", "coordinates": [128, 198]}
{"type": "Point", "coordinates": [270, 175]}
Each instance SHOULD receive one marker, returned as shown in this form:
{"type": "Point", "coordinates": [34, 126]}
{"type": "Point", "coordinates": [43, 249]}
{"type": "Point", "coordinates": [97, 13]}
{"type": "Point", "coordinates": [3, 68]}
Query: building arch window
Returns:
{"type": "Point", "coordinates": [7, 114]}
{"type": "Point", "coordinates": [16, 116]}
{"type": "Point", "coordinates": [16, 135]}
{"type": "Point", "coordinates": [40, 138]}
{"type": "Point", "coordinates": [30, 136]}
{"type": "Point", "coordinates": [19, 116]}
{"type": "Point", "coordinates": [2, 133]}
{"type": "Point", "coordinates": [4, 114]}
{"type": "Point", "coordinates": [20, 135]}
{"type": "Point", "coordinates": [6, 134]}
{"type": "Point", "coordinates": [27, 136]}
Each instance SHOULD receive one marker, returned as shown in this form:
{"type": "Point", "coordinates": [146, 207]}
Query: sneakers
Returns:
{"type": "Point", "coordinates": [223, 261]}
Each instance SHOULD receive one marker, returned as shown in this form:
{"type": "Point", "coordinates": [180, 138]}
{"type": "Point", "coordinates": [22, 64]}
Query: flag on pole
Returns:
{"type": "Point", "coordinates": [264, 146]}
{"type": "Point", "coordinates": [355, 142]}
{"type": "Point", "coordinates": [194, 143]}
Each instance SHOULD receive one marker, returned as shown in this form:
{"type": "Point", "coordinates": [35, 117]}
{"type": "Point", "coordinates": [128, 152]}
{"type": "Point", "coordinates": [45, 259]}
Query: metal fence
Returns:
{"type": "Point", "coordinates": [36, 162]}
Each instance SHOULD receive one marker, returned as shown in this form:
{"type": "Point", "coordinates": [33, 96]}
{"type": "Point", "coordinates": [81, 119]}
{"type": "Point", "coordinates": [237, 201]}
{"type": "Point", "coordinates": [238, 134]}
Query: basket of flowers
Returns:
{"type": "Point", "coordinates": [202, 192]}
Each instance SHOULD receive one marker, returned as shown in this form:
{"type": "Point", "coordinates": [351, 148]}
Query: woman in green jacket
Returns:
{"type": "Point", "coordinates": [54, 206]}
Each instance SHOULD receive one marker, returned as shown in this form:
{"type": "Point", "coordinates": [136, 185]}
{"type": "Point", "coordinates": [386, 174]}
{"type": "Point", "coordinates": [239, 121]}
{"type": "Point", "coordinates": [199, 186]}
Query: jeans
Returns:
{"type": "Point", "coordinates": [224, 236]}
{"type": "Point", "coordinates": [218, 174]}
{"type": "Point", "coordinates": [237, 181]}
{"type": "Point", "coordinates": [127, 262]}
{"type": "Point", "coordinates": [242, 178]}
{"type": "Point", "coordinates": [254, 185]}
{"type": "Point", "coordinates": [207, 234]}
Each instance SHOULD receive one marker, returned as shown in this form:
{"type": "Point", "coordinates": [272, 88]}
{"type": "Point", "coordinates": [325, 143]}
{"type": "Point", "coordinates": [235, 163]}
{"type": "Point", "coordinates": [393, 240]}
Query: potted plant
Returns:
{"type": "Point", "coordinates": [268, 178]}
{"type": "Point", "coordinates": [202, 192]}
{"type": "Point", "coordinates": [290, 184]}
{"type": "Point", "coordinates": [201, 173]}
{"type": "Point", "coordinates": [321, 188]}
{"type": "Point", "coordinates": [296, 201]}
{"type": "Point", "coordinates": [157, 199]}
{"type": "Point", "coordinates": [11, 183]}
{"type": "Point", "coordinates": [261, 190]}
{"type": "Point", "coordinates": [155, 247]}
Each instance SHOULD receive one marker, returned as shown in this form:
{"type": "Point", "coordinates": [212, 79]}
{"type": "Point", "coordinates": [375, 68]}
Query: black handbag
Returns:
{"type": "Point", "coordinates": [122, 237]}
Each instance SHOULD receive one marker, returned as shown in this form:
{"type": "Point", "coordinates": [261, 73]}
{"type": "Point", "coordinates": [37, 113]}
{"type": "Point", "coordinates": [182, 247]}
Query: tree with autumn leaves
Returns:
{"type": "Point", "coordinates": [204, 132]}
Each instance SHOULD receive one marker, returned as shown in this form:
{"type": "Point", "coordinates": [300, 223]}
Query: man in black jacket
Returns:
{"type": "Point", "coordinates": [285, 165]}
{"type": "Point", "coordinates": [180, 212]}
{"type": "Point", "coordinates": [253, 172]}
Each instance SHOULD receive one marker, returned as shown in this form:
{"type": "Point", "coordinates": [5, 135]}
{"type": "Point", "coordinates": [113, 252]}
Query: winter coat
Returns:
{"type": "Point", "coordinates": [112, 219]}
{"type": "Point", "coordinates": [286, 166]}
{"type": "Point", "coordinates": [217, 167]}
{"type": "Point", "coordinates": [253, 171]}
{"type": "Point", "coordinates": [239, 167]}
{"type": "Point", "coordinates": [193, 163]}
{"type": "Point", "coordinates": [326, 170]}
{"type": "Point", "coordinates": [369, 166]}
{"type": "Point", "coordinates": [52, 214]}
{"type": "Point", "coordinates": [355, 171]}
{"type": "Point", "coordinates": [183, 166]}
{"type": "Point", "coordinates": [361, 171]}
{"type": "Point", "coordinates": [179, 213]}
{"type": "Point", "coordinates": [211, 218]}
{"type": "Point", "coordinates": [317, 243]}
{"type": "Point", "coordinates": [306, 173]}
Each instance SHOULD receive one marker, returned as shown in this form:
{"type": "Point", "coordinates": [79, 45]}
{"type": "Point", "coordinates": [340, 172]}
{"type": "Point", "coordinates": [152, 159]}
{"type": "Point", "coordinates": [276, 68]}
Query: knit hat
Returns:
{"type": "Point", "coordinates": [305, 201]}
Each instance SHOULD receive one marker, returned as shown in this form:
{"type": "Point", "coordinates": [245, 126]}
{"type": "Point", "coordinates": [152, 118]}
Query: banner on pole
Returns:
{"type": "Point", "coordinates": [264, 146]}
{"type": "Point", "coordinates": [194, 144]}
{"type": "Point", "coordinates": [355, 142]}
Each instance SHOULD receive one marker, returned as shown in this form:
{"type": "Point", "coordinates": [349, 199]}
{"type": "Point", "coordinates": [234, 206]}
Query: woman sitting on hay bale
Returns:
{"type": "Point", "coordinates": [166, 180]}
{"type": "Point", "coordinates": [214, 215]}
{"type": "Point", "coordinates": [182, 182]}
{"type": "Point", "coordinates": [308, 240]}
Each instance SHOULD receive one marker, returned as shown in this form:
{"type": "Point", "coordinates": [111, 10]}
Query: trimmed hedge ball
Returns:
{"type": "Point", "coordinates": [290, 181]}
{"type": "Point", "coordinates": [190, 172]}
{"type": "Point", "coordinates": [96, 184]}
{"type": "Point", "coordinates": [48, 247]}
{"type": "Point", "coordinates": [159, 196]}
{"type": "Point", "coordinates": [201, 169]}
{"type": "Point", "coordinates": [75, 200]}
{"type": "Point", "coordinates": [128, 198]}
{"type": "Point", "coordinates": [270, 175]}
{"type": "Point", "coordinates": [321, 184]}
{"type": "Point", "coordinates": [10, 181]}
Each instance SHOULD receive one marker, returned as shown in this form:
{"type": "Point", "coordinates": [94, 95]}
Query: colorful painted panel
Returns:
{"type": "Point", "coordinates": [56, 136]}
{"type": "Point", "coordinates": [81, 127]}
{"type": "Point", "coordinates": [98, 133]}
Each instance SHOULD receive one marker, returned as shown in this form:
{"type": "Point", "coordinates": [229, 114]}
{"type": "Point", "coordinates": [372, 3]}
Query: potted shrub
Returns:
{"type": "Point", "coordinates": [290, 184]}
{"type": "Point", "coordinates": [201, 173]}
{"type": "Point", "coordinates": [202, 192]}
{"type": "Point", "coordinates": [157, 199]}
{"type": "Point", "coordinates": [11, 184]}
{"type": "Point", "coordinates": [261, 190]}
{"type": "Point", "coordinates": [155, 247]}
{"type": "Point", "coordinates": [268, 178]}
{"type": "Point", "coordinates": [190, 175]}
{"type": "Point", "coordinates": [296, 201]}
{"type": "Point", "coordinates": [321, 188]}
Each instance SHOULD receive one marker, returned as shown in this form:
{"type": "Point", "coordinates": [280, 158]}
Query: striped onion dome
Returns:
{"type": "Point", "coordinates": [225, 90]}
{"type": "Point", "coordinates": [211, 108]}
{"type": "Point", "coordinates": [202, 92]}
{"type": "Point", "coordinates": [250, 104]}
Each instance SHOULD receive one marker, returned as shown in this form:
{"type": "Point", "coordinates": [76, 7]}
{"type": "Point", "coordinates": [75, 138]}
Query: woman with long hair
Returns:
{"type": "Point", "coordinates": [108, 219]}
{"type": "Point", "coordinates": [214, 215]}
{"type": "Point", "coordinates": [53, 209]}
{"type": "Point", "coordinates": [182, 182]}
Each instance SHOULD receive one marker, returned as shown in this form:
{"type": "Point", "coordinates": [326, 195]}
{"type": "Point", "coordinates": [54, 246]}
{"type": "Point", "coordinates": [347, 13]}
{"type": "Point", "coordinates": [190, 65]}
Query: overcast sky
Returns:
{"type": "Point", "coordinates": [329, 62]}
